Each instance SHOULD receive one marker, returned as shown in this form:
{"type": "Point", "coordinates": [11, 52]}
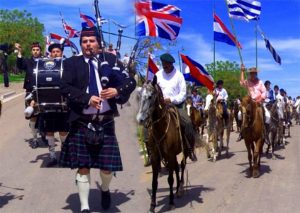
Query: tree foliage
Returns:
{"type": "Point", "coordinates": [229, 72]}
{"type": "Point", "coordinates": [20, 26]}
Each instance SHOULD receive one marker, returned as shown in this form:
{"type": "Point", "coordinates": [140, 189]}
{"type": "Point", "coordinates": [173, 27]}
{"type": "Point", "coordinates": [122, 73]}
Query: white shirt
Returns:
{"type": "Point", "coordinates": [208, 99]}
{"type": "Point", "coordinates": [104, 106]}
{"type": "Point", "coordinates": [297, 103]}
{"type": "Point", "coordinates": [221, 94]}
{"type": "Point", "coordinates": [173, 85]}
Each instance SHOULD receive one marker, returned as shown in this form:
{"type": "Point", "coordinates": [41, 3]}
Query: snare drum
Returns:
{"type": "Point", "coordinates": [47, 75]}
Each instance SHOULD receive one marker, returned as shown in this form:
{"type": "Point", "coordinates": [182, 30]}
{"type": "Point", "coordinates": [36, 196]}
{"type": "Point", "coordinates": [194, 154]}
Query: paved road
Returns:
{"type": "Point", "coordinates": [27, 186]}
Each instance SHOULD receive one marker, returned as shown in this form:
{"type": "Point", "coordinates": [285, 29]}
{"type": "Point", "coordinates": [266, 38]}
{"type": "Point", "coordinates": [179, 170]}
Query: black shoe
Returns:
{"type": "Point", "coordinates": [34, 144]}
{"type": "Point", "coordinates": [85, 211]}
{"type": "Point", "coordinates": [52, 162]}
{"type": "Point", "coordinates": [105, 199]}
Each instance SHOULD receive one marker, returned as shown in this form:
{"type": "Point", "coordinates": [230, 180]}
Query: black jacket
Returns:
{"type": "Point", "coordinates": [75, 80]}
{"type": "Point", "coordinates": [27, 64]}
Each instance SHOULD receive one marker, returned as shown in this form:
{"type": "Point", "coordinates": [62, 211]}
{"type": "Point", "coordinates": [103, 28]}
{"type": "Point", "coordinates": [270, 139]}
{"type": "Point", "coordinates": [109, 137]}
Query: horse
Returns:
{"type": "Point", "coordinates": [253, 133]}
{"type": "Point", "coordinates": [236, 115]}
{"type": "Point", "coordinates": [287, 123]}
{"type": "Point", "coordinates": [274, 129]}
{"type": "Point", "coordinates": [165, 139]}
{"type": "Point", "coordinates": [297, 114]}
{"type": "Point", "coordinates": [215, 128]}
{"type": "Point", "coordinates": [197, 118]}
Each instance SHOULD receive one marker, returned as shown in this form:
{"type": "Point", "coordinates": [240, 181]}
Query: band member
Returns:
{"type": "Point", "coordinates": [28, 64]}
{"type": "Point", "coordinates": [51, 122]}
{"type": "Point", "coordinates": [91, 142]}
{"type": "Point", "coordinates": [173, 87]}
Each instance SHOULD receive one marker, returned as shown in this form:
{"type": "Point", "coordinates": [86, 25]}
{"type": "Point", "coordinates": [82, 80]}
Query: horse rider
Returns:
{"type": "Point", "coordinates": [222, 96]}
{"type": "Point", "coordinates": [28, 65]}
{"type": "Point", "coordinates": [270, 94]}
{"type": "Point", "coordinates": [92, 142]}
{"type": "Point", "coordinates": [51, 122]}
{"type": "Point", "coordinates": [197, 101]}
{"type": "Point", "coordinates": [255, 87]}
{"type": "Point", "coordinates": [276, 91]}
{"type": "Point", "coordinates": [173, 86]}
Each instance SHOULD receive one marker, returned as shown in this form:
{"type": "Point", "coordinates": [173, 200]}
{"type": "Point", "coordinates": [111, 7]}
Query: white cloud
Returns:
{"type": "Point", "coordinates": [202, 51]}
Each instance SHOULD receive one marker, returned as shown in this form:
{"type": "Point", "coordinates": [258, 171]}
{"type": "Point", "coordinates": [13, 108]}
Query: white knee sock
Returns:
{"type": "Point", "coordinates": [83, 184]}
{"type": "Point", "coordinates": [33, 129]}
{"type": "Point", "coordinates": [51, 143]}
{"type": "Point", "coordinates": [106, 179]}
{"type": "Point", "coordinates": [62, 138]}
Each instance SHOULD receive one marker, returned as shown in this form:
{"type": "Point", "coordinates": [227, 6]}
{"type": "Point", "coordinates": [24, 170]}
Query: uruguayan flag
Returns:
{"type": "Point", "coordinates": [244, 9]}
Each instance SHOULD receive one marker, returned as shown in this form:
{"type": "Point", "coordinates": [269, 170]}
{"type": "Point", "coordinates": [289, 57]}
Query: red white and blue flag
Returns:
{"type": "Point", "coordinates": [70, 31]}
{"type": "Point", "coordinates": [87, 21]}
{"type": "Point", "coordinates": [195, 72]}
{"type": "Point", "coordinates": [152, 68]}
{"type": "Point", "coordinates": [157, 20]}
{"type": "Point", "coordinates": [222, 34]}
{"type": "Point", "coordinates": [67, 42]}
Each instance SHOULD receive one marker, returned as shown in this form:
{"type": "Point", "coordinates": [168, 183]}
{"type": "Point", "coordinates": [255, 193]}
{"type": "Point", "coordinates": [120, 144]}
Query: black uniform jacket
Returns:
{"type": "Point", "coordinates": [75, 80]}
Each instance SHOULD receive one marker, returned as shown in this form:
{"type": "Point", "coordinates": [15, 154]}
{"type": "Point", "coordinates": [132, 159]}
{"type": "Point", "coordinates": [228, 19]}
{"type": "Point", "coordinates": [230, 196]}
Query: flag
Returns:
{"type": "Point", "coordinates": [270, 47]}
{"type": "Point", "coordinates": [157, 20]}
{"type": "Point", "coordinates": [222, 34]}
{"type": "Point", "coordinates": [152, 68]}
{"type": "Point", "coordinates": [70, 31]}
{"type": "Point", "coordinates": [88, 21]}
{"type": "Point", "coordinates": [195, 72]}
{"type": "Point", "coordinates": [67, 42]}
{"type": "Point", "coordinates": [244, 9]}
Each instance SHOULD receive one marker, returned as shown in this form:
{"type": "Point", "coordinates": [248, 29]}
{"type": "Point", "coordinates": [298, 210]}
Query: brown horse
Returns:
{"type": "Point", "coordinates": [223, 126]}
{"type": "Point", "coordinates": [198, 120]}
{"type": "Point", "coordinates": [253, 133]}
{"type": "Point", "coordinates": [165, 139]}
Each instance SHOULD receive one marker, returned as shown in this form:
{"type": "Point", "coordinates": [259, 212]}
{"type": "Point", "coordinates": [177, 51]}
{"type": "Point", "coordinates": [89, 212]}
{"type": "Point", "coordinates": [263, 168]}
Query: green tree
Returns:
{"type": "Point", "coordinates": [229, 72]}
{"type": "Point", "coordinates": [20, 26]}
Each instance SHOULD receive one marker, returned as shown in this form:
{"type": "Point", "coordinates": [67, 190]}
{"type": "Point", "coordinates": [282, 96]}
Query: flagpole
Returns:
{"type": "Point", "coordinates": [233, 30]}
{"type": "Point", "coordinates": [214, 44]}
{"type": "Point", "coordinates": [256, 48]}
{"type": "Point", "coordinates": [147, 69]}
{"type": "Point", "coordinates": [179, 61]}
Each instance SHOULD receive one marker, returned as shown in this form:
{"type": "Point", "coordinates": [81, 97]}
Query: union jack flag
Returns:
{"type": "Point", "coordinates": [157, 20]}
{"type": "Point", "coordinates": [70, 31]}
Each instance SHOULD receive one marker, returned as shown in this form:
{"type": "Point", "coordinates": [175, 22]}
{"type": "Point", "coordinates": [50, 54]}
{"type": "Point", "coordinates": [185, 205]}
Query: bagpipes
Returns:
{"type": "Point", "coordinates": [130, 68]}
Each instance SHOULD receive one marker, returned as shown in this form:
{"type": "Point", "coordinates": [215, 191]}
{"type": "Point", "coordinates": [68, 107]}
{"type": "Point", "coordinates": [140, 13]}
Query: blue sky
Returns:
{"type": "Point", "coordinates": [280, 21]}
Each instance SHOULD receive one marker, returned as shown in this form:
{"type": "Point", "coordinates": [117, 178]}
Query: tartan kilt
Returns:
{"type": "Point", "coordinates": [76, 153]}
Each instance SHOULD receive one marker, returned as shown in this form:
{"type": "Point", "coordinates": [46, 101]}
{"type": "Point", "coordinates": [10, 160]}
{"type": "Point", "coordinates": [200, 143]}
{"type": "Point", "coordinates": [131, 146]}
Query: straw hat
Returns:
{"type": "Point", "coordinates": [253, 69]}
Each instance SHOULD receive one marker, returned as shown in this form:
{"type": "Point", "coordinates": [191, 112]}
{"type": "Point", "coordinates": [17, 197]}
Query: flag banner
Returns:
{"type": "Point", "coordinates": [88, 21]}
{"type": "Point", "coordinates": [270, 47]}
{"type": "Point", "coordinates": [222, 34]}
{"type": "Point", "coordinates": [152, 68]}
{"type": "Point", "coordinates": [244, 9]}
{"type": "Point", "coordinates": [65, 41]}
{"type": "Point", "coordinates": [195, 72]}
{"type": "Point", "coordinates": [157, 20]}
{"type": "Point", "coordinates": [70, 31]}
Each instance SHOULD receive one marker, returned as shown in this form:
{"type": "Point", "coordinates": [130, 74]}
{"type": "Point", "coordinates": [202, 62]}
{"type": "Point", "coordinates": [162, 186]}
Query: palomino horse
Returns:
{"type": "Point", "coordinates": [165, 139]}
{"type": "Point", "coordinates": [215, 128]}
{"type": "Point", "coordinates": [198, 120]}
{"type": "Point", "coordinates": [274, 130]}
{"type": "Point", "coordinates": [253, 133]}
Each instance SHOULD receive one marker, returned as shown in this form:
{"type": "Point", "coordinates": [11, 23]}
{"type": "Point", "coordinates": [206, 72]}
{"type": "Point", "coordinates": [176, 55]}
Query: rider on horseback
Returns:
{"type": "Point", "coordinates": [173, 87]}
{"type": "Point", "coordinates": [255, 87]}
{"type": "Point", "coordinates": [222, 96]}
